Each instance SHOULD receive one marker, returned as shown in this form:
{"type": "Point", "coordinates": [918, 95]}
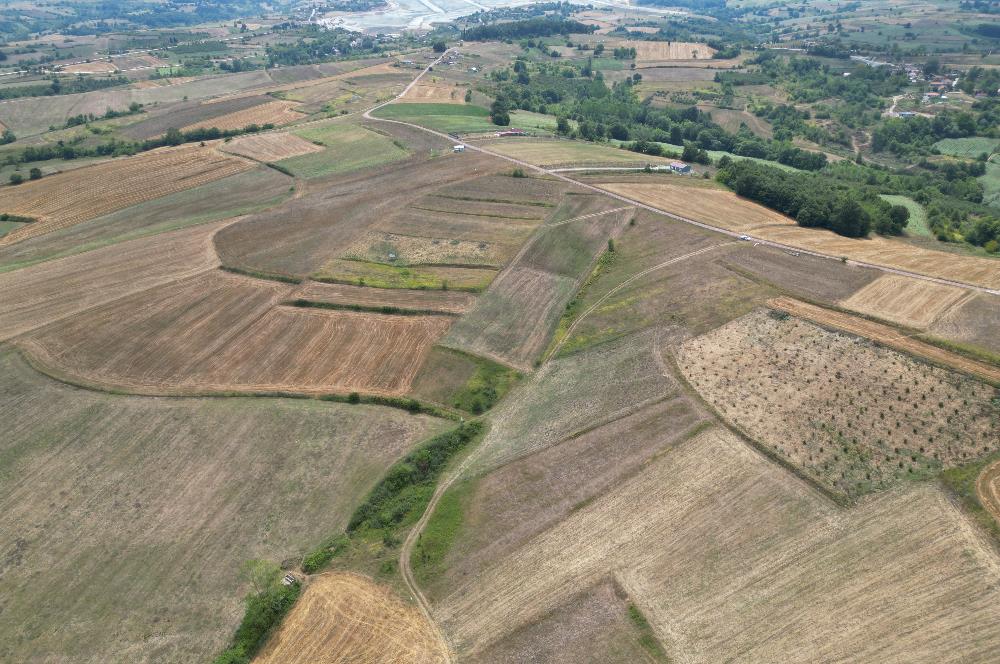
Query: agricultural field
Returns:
{"type": "Point", "coordinates": [445, 302]}
{"type": "Point", "coordinates": [218, 333]}
{"type": "Point", "coordinates": [435, 93]}
{"type": "Point", "coordinates": [272, 112]}
{"type": "Point", "coordinates": [270, 146]}
{"type": "Point", "coordinates": [63, 200]}
{"type": "Point", "coordinates": [970, 148]}
{"type": "Point", "coordinates": [708, 528]}
{"type": "Point", "coordinates": [40, 294]}
{"type": "Point", "coordinates": [973, 322]}
{"type": "Point", "coordinates": [538, 285]}
{"type": "Point", "coordinates": [853, 416]}
{"type": "Point", "coordinates": [349, 147]}
{"type": "Point", "coordinates": [917, 224]}
{"type": "Point", "coordinates": [906, 301]}
{"type": "Point", "coordinates": [140, 559]}
{"type": "Point", "coordinates": [769, 225]}
{"type": "Point", "coordinates": [190, 114]}
{"type": "Point", "coordinates": [345, 617]}
{"type": "Point", "coordinates": [563, 153]}
{"type": "Point", "coordinates": [446, 117]}
{"type": "Point", "coordinates": [655, 51]}
{"type": "Point", "coordinates": [244, 193]}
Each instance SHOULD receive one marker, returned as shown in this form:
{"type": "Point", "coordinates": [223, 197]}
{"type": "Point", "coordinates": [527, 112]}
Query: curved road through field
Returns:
{"type": "Point", "coordinates": [988, 489]}
{"type": "Point", "coordinates": [556, 173]}
{"type": "Point", "coordinates": [414, 534]}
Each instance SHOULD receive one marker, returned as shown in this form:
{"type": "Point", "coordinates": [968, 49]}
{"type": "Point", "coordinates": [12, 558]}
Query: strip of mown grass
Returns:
{"type": "Point", "coordinates": [917, 225]}
{"type": "Point", "coordinates": [962, 482]}
{"type": "Point", "coordinates": [647, 639]}
{"type": "Point", "coordinates": [378, 525]}
{"type": "Point", "coordinates": [449, 118]}
{"type": "Point", "coordinates": [440, 533]}
{"type": "Point", "coordinates": [348, 148]}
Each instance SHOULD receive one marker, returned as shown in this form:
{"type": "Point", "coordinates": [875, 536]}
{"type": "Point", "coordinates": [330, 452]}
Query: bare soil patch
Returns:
{"type": "Point", "coordinates": [904, 300]}
{"type": "Point", "coordinates": [657, 50]}
{"type": "Point", "coordinates": [397, 249]}
{"type": "Point", "coordinates": [270, 147]}
{"type": "Point", "coordinates": [439, 93]}
{"type": "Point", "coordinates": [65, 199]}
{"type": "Point", "coordinates": [344, 617]}
{"type": "Point", "coordinates": [854, 416]}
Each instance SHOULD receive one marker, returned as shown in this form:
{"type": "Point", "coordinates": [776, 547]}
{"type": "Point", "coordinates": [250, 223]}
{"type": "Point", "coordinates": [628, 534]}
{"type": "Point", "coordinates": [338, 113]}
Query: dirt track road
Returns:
{"type": "Point", "coordinates": [624, 199]}
{"type": "Point", "coordinates": [988, 489]}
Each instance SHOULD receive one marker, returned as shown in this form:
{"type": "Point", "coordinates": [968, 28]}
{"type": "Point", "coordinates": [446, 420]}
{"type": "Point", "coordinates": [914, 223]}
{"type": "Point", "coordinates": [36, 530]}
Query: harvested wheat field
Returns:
{"type": "Point", "coordinates": [273, 112]}
{"type": "Point", "coordinates": [988, 489]}
{"type": "Point", "coordinates": [574, 154]}
{"type": "Point", "coordinates": [95, 67]}
{"type": "Point", "coordinates": [137, 512]}
{"type": "Point", "coordinates": [878, 250]}
{"type": "Point", "coordinates": [41, 294]}
{"type": "Point", "coordinates": [69, 198]}
{"type": "Point", "coordinates": [270, 147]}
{"type": "Point", "coordinates": [224, 333]}
{"type": "Point", "coordinates": [904, 300]}
{"type": "Point", "coordinates": [884, 334]}
{"type": "Point", "coordinates": [728, 211]}
{"type": "Point", "coordinates": [852, 415]}
{"type": "Point", "coordinates": [444, 301]}
{"type": "Point", "coordinates": [440, 93]}
{"type": "Point", "coordinates": [647, 51]}
{"type": "Point", "coordinates": [974, 321]}
{"type": "Point", "coordinates": [717, 207]}
{"type": "Point", "coordinates": [343, 617]}
{"type": "Point", "coordinates": [732, 558]}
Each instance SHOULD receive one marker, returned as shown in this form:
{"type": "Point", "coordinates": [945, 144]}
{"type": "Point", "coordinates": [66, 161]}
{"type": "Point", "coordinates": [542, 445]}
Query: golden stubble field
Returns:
{"type": "Point", "coordinates": [343, 617]}
{"type": "Point", "coordinates": [852, 415]}
{"type": "Point", "coordinates": [270, 147]}
{"type": "Point", "coordinates": [730, 212]}
{"type": "Point", "coordinates": [907, 301]}
{"type": "Point", "coordinates": [731, 557]}
{"type": "Point", "coordinates": [69, 198]}
{"type": "Point", "coordinates": [219, 332]}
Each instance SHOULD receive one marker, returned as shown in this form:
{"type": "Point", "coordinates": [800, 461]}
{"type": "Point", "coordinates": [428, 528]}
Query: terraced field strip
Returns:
{"type": "Point", "coordinates": [274, 112]}
{"type": "Point", "coordinates": [65, 199]}
{"type": "Point", "coordinates": [886, 335]}
{"type": "Point", "coordinates": [988, 489]}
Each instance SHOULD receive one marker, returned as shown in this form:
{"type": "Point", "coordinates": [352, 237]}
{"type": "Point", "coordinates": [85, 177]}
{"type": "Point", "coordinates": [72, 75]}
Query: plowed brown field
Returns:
{"type": "Point", "coordinates": [344, 617]}
{"type": "Point", "coordinates": [904, 300]}
{"type": "Point", "coordinates": [884, 334]}
{"type": "Point", "coordinates": [270, 147]}
{"type": "Point", "coordinates": [41, 294]}
{"type": "Point", "coordinates": [657, 50]}
{"type": "Point", "coordinates": [66, 199]}
{"type": "Point", "coordinates": [988, 489]}
{"type": "Point", "coordinates": [274, 112]}
{"type": "Point", "coordinates": [219, 332]}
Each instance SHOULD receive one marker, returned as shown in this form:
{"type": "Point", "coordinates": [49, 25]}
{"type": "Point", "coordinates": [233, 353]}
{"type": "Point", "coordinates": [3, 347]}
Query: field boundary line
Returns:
{"type": "Point", "coordinates": [633, 278]}
{"type": "Point", "coordinates": [716, 229]}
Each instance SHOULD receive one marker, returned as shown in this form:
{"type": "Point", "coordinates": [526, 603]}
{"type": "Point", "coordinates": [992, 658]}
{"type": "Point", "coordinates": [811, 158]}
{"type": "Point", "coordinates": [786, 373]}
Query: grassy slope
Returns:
{"type": "Point", "coordinates": [917, 225]}
{"type": "Point", "coordinates": [349, 148]}
{"type": "Point", "coordinates": [131, 515]}
{"type": "Point", "coordinates": [442, 117]}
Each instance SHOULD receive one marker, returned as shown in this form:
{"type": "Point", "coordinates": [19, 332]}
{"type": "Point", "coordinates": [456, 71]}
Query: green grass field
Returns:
{"type": "Point", "coordinates": [379, 275]}
{"type": "Point", "coordinates": [449, 118]}
{"type": "Point", "coordinates": [348, 148]}
{"type": "Point", "coordinates": [991, 185]}
{"type": "Point", "coordinates": [967, 147]}
{"type": "Point", "coordinates": [917, 225]}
